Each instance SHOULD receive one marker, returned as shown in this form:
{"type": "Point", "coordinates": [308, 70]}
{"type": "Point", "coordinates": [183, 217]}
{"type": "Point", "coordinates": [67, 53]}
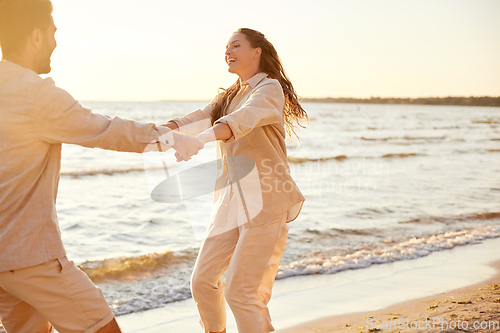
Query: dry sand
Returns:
{"type": "Point", "coordinates": [475, 303]}
{"type": "Point", "coordinates": [478, 303]}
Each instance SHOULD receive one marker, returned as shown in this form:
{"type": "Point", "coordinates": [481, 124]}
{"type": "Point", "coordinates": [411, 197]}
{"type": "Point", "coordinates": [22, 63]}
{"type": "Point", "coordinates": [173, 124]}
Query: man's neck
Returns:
{"type": "Point", "coordinates": [21, 61]}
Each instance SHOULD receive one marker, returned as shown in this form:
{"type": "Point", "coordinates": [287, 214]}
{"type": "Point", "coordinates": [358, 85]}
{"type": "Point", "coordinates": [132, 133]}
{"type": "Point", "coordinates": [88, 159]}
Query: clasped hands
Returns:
{"type": "Point", "coordinates": [187, 146]}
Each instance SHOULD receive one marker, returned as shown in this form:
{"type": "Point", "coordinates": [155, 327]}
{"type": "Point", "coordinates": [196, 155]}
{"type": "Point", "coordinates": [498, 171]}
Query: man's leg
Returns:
{"type": "Point", "coordinates": [112, 327]}
{"type": "Point", "coordinates": [19, 316]}
{"type": "Point", "coordinates": [62, 294]}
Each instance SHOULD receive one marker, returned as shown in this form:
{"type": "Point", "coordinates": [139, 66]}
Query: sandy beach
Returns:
{"type": "Point", "coordinates": [475, 304]}
{"type": "Point", "coordinates": [475, 307]}
{"type": "Point", "coordinates": [457, 286]}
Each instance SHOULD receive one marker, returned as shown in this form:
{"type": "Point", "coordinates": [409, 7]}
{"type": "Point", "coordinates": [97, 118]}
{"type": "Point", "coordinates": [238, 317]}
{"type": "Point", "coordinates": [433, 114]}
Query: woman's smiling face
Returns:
{"type": "Point", "coordinates": [241, 57]}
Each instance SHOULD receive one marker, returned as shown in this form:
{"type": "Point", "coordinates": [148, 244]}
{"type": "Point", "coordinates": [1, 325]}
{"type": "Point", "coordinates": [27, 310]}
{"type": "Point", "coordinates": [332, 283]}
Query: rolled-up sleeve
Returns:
{"type": "Point", "coordinates": [263, 107]}
{"type": "Point", "coordinates": [59, 118]}
{"type": "Point", "coordinates": [195, 122]}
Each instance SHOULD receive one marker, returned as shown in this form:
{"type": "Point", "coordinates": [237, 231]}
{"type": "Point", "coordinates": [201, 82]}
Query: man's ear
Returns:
{"type": "Point", "coordinates": [35, 40]}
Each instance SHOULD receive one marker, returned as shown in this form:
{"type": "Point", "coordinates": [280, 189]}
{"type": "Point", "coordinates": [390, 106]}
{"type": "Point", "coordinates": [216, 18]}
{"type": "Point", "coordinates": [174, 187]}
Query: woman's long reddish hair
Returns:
{"type": "Point", "coordinates": [270, 63]}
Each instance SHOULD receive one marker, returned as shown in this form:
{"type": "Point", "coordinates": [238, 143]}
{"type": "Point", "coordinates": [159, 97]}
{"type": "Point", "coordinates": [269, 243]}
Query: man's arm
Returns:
{"type": "Point", "coordinates": [59, 118]}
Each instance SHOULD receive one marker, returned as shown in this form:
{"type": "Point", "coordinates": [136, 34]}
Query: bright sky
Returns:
{"type": "Point", "coordinates": [174, 50]}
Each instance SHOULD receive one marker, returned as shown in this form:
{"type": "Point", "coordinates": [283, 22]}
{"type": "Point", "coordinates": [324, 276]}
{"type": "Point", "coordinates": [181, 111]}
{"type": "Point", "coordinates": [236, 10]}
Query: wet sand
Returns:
{"type": "Point", "coordinates": [475, 308]}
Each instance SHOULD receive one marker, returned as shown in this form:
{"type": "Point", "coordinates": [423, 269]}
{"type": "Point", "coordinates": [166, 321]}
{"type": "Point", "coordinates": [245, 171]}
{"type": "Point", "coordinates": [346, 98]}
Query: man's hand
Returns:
{"type": "Point", "coordinates": [181, 158]}
{"type": "Point", "coordinates": [186, 146]}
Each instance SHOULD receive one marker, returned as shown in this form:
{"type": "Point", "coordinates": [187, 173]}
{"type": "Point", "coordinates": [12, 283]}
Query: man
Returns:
{"type": "Point", "coordinates": [39, 287]}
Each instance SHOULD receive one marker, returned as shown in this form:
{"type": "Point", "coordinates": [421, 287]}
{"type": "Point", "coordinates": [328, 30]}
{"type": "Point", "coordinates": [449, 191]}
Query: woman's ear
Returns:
{"type": "Point", "coordinates": [258, 52]}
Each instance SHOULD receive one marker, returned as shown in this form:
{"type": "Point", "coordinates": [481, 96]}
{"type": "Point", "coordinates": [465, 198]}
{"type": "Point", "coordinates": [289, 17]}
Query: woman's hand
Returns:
{"type": "Point", "coordinates": [181, 158]}
{"type": "Point", "coordinates": [186, 146]}
{"type": "Point", "coordinates": [184, 151]}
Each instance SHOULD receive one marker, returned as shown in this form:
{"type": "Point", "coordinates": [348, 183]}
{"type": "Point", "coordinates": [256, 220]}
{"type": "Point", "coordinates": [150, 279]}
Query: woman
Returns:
{"type": "Point", "coordinates": [248, 230]}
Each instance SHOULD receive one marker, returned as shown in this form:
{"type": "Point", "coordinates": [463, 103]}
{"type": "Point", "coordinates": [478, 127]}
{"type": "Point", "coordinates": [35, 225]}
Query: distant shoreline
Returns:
{"type": "Point", "coordinates": [467, 101]}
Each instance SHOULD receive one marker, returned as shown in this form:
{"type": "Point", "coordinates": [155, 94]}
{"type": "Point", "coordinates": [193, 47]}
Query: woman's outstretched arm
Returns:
{"type": "Point", "coordinates": [172, 125]}
{"type": "Point", "coordinates": [219, 131]}
{"type": "Point", "coordinates": [192, 123]}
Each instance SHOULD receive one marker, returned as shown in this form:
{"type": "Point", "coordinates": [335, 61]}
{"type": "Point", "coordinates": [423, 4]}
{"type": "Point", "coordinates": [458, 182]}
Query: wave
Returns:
{"type": "Point", "coordinates": [307, 159]}
{"type": "Point", "coordinates": [487, 121]}
{"type": "Point", "coordinates": [129, 268]}
{"type": "Point", "coordinates": [405, 138]}
{"type": "Point", "coordinates": [133, 284]}
{"type": "Point", "coordinates": [400, 155]}
{"type": "Point", "coordinates": [104, 171]}
{"type": "Point", "coordinates": [299, 160]}
{"type": "Point", "coordinates": [454, 219]}
{"type": "Point", "coordinates": [114, 171]}
{"type": "Point", "coordinates": [335, 232]}
{"type": "Point", "coordinates": [411, 249]}
{"type": "Point", "coordinates": [132, 268]}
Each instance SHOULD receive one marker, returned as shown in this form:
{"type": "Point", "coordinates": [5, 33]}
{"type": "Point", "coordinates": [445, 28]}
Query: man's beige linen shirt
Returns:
{"type": "Point", "coordinates": [256, 119]}
{"type": "Point", "coordinates": [36, 117]}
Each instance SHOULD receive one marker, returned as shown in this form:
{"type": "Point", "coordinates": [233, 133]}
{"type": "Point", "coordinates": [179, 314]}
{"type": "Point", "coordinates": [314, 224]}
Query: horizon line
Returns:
{"type": "Point", "coordinates": [302, 98]}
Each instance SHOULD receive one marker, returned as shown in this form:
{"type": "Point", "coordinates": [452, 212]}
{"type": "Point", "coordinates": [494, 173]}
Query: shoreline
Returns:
{"type": "Point", "coordinates": [444, 284]}
{"type": "Point", "coordinates": [311, 299]}
{"type": "Point", "coordinates": [467, 307]}
{"type": "Point", "coordinates": [493, 101]}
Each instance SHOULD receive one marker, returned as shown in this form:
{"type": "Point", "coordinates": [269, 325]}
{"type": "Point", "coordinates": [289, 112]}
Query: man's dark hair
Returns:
{"type": "Point", "coordinates": [18, 19]}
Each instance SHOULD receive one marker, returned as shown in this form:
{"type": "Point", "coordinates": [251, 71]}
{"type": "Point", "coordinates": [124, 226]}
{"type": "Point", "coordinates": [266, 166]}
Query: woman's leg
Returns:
{"type": "Point", "coordinates": [266, 285]}
{"type": "Point", "coordinates": [251, 274]}
{"type": "Point", "coordinates": [207, 285]}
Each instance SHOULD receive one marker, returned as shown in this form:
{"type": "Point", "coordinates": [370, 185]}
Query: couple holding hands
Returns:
{"type": "Point", "coordinates": [40, 289]}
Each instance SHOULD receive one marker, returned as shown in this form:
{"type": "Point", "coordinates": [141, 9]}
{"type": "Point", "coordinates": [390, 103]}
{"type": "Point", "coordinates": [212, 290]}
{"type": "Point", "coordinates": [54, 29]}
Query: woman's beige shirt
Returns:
{"type": "Point", "coordinates": [256, 118]}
